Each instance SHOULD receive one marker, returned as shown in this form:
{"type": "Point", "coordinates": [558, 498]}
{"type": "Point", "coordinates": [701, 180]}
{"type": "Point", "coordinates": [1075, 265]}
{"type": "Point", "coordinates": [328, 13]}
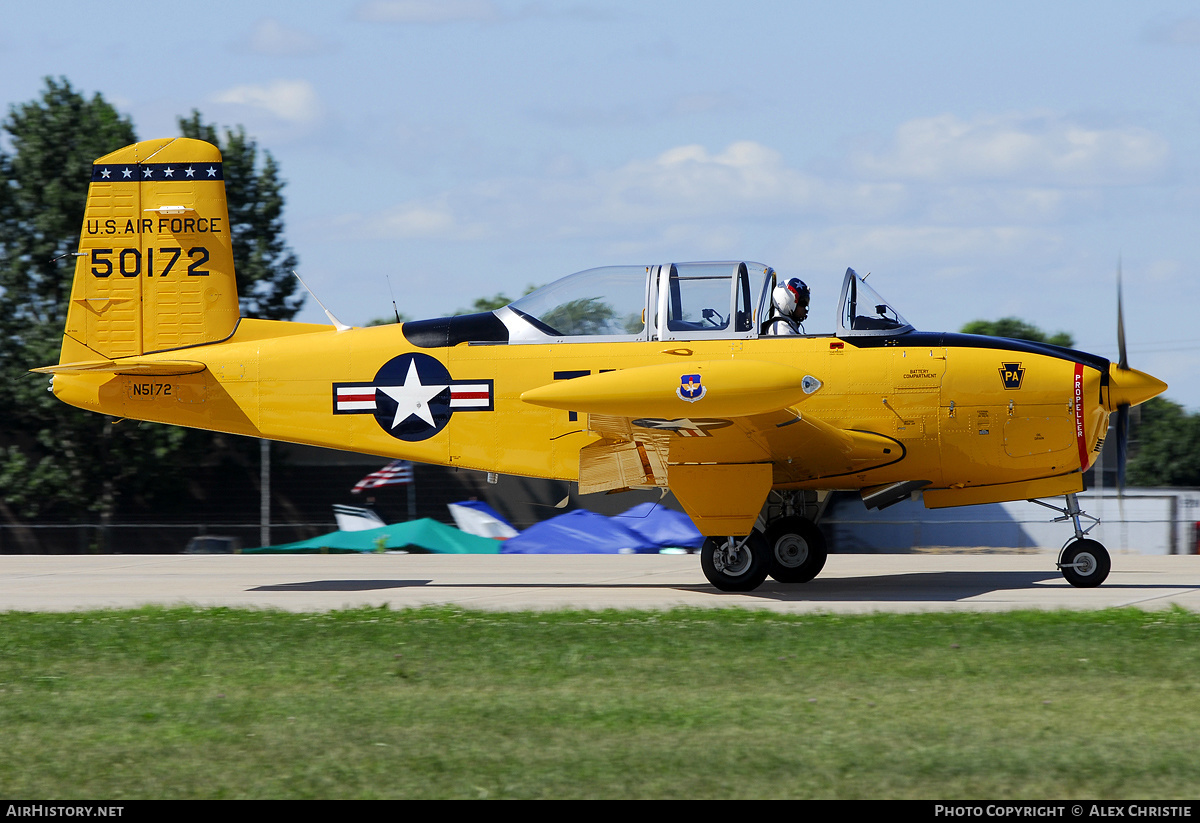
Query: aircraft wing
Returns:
{"type": "Point", "coordinates": [746, 413]}
{"type": "Point", "coordinates": [799, 447]}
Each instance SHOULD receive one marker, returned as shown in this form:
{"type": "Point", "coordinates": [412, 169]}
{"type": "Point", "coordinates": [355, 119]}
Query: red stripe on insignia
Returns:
{"type": "Point", "coordinates": [469, 395]}
{"type": "Point", "coordinates": [1080, 433]}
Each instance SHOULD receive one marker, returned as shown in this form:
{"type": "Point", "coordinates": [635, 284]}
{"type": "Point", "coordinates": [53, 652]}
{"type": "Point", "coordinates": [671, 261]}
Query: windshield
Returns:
{"type": "Point", "coordinates": [607, 302]}
{"type": "Point", "coordinates": [700, 296]}
{"type": "Point", "coordinates": [864, 312]}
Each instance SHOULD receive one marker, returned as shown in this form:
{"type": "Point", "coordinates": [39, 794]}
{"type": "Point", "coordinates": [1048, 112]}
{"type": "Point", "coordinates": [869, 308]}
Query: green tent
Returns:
{"type": "Point", "coordinates": [418, 536]}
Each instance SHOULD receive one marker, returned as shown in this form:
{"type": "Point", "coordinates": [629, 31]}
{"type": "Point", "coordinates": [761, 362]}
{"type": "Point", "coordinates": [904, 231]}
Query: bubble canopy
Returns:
{"type": "Point", "coordinates": [678, 301]}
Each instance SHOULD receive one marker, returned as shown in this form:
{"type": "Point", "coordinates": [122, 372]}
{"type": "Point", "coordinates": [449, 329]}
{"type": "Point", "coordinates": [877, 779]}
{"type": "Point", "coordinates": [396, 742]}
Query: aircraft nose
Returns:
{"type": "Point", "coordinates": [1130, 387]}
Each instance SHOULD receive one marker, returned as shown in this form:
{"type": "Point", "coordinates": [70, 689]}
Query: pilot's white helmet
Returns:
{"type": "Point", "coordinates": [791, 298]}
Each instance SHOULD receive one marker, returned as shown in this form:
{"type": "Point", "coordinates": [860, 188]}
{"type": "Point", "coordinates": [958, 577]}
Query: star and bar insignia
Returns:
{"type": "Point", "coordinates": [412, 397]}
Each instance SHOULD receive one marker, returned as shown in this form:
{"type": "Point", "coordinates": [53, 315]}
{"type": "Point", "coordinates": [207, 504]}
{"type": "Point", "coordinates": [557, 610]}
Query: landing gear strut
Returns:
{"type": "Point", "coordinates": [735, 564]}
{"type": "Point", "coordinates": [1084, 563]}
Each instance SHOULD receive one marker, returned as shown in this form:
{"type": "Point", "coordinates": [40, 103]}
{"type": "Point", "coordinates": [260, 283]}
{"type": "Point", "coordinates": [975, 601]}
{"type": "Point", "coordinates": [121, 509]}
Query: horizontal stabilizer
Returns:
{"type": "Point", "coordinates": [160, 368]}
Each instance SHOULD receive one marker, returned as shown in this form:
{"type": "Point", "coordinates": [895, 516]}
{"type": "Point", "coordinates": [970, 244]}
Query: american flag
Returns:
{"type": "Point", "coordinates": [396, 473]}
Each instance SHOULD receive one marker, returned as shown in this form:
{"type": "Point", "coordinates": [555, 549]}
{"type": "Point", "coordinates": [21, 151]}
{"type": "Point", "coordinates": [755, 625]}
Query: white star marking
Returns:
{"type": "Point", "coordinates": [105, 173]}
{"type": "Point", "coordinates": [126, 173]}
{"type": "Point", "coordinates": [212, 172]}
{"type": "Point", "coordinates": [190, 171]}
{"type": "Point", "coordinates": [680, 423]}
{"type": "Point", "coordinates": [168, 171]}
{"type": "Point", "coordinates": [412, 397]}
{"type": "Point", "coordinates": [147, 172]}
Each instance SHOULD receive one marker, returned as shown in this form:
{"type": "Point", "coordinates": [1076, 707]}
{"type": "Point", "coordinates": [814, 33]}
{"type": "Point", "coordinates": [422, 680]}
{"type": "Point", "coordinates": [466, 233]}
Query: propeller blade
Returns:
{"type": "Point", "coordinates": [1123, 361]}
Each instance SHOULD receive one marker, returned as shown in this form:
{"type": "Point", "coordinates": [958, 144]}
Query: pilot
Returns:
{"type": "Point", "coordinates": [790, 299]}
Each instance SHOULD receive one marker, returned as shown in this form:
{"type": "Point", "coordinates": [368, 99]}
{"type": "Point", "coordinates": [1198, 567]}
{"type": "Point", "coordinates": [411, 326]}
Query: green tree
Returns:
{"type": "Point", "coordinates": [62, 463]}
{"type": "Point", "coordinates": [1017, 329]}
{"type": "Point", "coordinates": [55, 460]}
{"type": "Point", "coordinates": [254, 193]}
{"type": "Point", "coordinates": [45, 182]}
{"type": "Point", "coordinates": [586, 315]}
{"type": "Point", "coordinates": [1166, 446]}
{"type": "Point", "coordinates": [481, 304]}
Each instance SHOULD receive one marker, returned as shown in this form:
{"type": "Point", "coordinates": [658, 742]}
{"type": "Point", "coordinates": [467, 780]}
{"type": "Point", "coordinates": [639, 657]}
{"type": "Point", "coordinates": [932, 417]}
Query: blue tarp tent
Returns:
{"type": "Point", "coordinates": [644, 529]}
{"type": "Point", "coordinates": [577, 532]}
{"type": "Point", "coordinates": [661, 528]}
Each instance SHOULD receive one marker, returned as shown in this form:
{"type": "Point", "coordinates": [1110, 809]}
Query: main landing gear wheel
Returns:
{"type": "Point", "coordinates": [1085, 563]}
{"type": "Point", "coordinates": [797, 549]}
{"type": "Point", "coordinates": [735, 564]}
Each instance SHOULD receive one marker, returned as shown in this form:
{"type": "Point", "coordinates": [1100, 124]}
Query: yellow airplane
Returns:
{"type": "Point", "coordinates": [662, 376]}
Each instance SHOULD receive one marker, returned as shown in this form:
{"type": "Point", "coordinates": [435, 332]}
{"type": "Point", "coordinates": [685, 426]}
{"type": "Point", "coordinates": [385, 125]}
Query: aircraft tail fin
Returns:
{"type": "Point", "coordinates": [155, 266]}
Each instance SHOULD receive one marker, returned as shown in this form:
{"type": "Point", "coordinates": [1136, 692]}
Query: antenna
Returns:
{"type": "Point", "coordinates": [393, 294]}
{"type": "Point", "coordinates": [337, 324]}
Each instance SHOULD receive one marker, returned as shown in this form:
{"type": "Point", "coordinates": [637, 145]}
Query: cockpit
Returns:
{"type": "Point", "coordinates": [863, 312]}
{"type": "Point", "coordinates": [678, 301]}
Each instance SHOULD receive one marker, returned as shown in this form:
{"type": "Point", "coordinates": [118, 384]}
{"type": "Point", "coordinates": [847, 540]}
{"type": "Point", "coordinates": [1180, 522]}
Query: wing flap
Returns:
{"type": "Point", "coordinates": [802, 447]}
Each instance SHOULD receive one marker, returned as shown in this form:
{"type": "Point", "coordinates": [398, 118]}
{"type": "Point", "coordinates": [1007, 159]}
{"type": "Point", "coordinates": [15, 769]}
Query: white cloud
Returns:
{"type": "Point", "coordinates": [906, 242]}
{"type": "Point", "coordinates": [275, 39]}
{"type": "Point", "coordinates": [1042, 149]}
{"type": "Point", "coordinates": [691, 192]}
{"type": "Point", "coordinates": [414, 221]}
{"type": "Point", "coordinates": [685, 190]}
{"type": "Point", "coordinates": [426, 11]}
{"type": "Point", "coordinates": [746, 179]}
{"type": "Point", "coordinates": [293, 101]}
{"type": "Point", "coordinates": [944, 190]}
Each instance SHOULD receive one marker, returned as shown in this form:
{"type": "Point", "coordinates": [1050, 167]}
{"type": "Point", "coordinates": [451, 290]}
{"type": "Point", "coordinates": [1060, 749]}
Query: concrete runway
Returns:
{"type": "Point", "coordinates": [849, 583]}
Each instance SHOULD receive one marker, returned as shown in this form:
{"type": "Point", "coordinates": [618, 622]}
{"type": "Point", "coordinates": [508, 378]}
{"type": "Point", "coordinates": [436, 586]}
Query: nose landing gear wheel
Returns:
{"type": "Point", "coordinates": [735, 564]}
{"type": "Point", "coordinates": [797, 550]}
{"type": "Point", "coordinates": [1084, 563]}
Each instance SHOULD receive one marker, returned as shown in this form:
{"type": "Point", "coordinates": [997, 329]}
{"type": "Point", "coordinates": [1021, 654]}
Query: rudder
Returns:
{"type": "Point", "coordinates": [155, 268]}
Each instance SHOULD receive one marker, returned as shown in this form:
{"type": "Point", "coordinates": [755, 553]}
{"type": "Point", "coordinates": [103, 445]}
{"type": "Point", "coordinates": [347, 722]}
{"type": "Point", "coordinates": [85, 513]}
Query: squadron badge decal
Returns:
{"type": "Point", "coordinates": [690, 388]}
{"type": "Point", "coordinates": [412, 397]}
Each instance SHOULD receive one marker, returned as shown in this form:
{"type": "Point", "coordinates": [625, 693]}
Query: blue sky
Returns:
{"type": "Point", "coordinates": [980, 161]}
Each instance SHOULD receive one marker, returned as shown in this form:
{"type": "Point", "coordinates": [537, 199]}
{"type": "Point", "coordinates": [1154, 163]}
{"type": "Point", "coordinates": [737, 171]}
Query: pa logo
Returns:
{"type": "Point", "coordinates": [1012, 374]}
{"type": "Point", "coordinates": [412, 397]}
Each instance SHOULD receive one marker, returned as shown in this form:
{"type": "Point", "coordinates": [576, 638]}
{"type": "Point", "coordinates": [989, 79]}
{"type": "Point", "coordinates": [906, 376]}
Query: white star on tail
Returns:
{"type": "Point", "coordinates": [412, 397]}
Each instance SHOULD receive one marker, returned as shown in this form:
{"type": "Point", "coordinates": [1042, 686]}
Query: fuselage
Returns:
{"type": "Point", "coordinates": [962, 410]}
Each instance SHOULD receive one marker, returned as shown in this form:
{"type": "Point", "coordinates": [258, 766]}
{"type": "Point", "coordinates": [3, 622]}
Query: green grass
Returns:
{"type": "Point", "coordinates": [218, 703]}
